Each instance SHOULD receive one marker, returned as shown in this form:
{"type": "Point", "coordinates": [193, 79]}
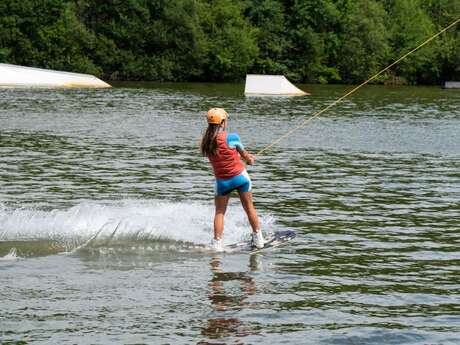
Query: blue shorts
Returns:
{"type": "Point", "coordinates": [241, 182]}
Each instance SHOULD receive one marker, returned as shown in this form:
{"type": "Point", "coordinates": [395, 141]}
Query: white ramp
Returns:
{"type": "Point", "coordinates": [259, 84]}
{"type": "Point", "coordinates": [452, 85]}
{"type": "Point", "coordinates": [20, 76]}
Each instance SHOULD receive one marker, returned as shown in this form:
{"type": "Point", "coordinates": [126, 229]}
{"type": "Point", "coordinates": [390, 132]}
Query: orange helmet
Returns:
{"type": "Point", "coordinates": [216, 116]}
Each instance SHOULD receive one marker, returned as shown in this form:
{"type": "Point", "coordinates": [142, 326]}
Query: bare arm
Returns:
{"type": "Point", "coordinates": [248, 158]}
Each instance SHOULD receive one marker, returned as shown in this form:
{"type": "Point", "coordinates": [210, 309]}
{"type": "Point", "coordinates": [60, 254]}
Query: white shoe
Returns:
{"type": "Point", "coordinates": [258, 239]}
{"type": "Point", "coordinates": [217, 245]}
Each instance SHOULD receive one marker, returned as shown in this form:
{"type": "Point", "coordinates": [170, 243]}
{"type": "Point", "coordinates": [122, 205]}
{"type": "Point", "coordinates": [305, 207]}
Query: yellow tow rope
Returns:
{"type": "Point", "coordinates": [318, 113]}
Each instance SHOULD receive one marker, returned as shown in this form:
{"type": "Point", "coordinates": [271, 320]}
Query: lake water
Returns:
{"type": "Point", "coordinates": [104, 201]}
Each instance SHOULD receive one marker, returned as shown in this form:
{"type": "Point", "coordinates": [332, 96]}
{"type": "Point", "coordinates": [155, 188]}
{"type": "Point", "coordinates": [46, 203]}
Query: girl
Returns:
{"type": "Point", "coordinates": [224, 151]}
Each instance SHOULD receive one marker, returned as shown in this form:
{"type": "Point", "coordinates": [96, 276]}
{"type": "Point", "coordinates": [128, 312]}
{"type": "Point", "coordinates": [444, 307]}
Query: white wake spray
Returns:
{"type": "Point", "coordinates": [124, 220]}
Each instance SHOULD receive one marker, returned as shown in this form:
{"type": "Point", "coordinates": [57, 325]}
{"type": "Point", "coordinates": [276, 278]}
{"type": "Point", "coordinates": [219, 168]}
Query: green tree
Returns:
{"type": "Point", "coordinates": [45, 34]}
{"type": "Point", "coordinates": [313, 40]}
{"type": "Point", "coordinates": [232, 41]}
{"type": "Point", "coordinates": [66, 44]}
{"type": "Point", "coordinates": [147, 40]}
{"type": "Point", "coordinates": [409, 26]}
{"type": "Point", "coordinates": [268, 19]}
{"type": "Point", "coordinates": [307, 40]}
{"type": "Point", "coordinates": [442, 13]}
{"type": "Point", "coordinates": [363, 40]}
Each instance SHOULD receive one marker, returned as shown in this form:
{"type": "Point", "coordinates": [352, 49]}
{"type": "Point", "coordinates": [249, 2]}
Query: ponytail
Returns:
{"type": "Point", "coordinates": [208, 145]}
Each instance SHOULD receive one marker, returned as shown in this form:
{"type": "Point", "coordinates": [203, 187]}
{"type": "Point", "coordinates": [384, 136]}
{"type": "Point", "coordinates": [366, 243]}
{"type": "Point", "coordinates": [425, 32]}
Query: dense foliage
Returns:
{"type": "Point", "coordinates": [215, 40]}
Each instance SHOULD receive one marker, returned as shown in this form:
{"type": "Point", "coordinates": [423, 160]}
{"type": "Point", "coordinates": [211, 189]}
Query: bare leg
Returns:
{"type": "Point", "coordinates": [246, 201]}
{"type": "Point", "coordinates": [221, 203]}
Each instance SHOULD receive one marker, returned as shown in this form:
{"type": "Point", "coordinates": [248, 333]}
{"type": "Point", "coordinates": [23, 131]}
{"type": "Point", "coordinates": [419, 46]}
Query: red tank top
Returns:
{"type": "Point", "coordinates": [226, 163]}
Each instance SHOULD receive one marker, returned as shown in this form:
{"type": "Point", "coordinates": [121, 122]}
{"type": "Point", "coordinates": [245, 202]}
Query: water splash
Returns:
{"type": "Point", "coordinates": [107, 223]}
{"type": "Point", "coordinates": [12, 255]}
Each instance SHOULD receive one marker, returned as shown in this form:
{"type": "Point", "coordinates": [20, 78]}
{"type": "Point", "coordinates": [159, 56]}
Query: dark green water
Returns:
{"type": "Point", "coordinates": [104, 201]}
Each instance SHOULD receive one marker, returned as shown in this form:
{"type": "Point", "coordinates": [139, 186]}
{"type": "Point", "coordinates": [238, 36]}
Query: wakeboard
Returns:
{"type": "Point", "coordinates": [271, 240]}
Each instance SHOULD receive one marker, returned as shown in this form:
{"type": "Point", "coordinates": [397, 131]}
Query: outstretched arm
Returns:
{"type": "Point", "coordinates": [248, 158]}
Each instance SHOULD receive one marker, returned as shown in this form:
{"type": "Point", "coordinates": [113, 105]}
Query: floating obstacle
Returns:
{"type": "Point", "coordinates": [271, 85]}
{"type": "Point", "coordinates": [452, 85]}
{"type": "Point", "coordinates": [20, 76]}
